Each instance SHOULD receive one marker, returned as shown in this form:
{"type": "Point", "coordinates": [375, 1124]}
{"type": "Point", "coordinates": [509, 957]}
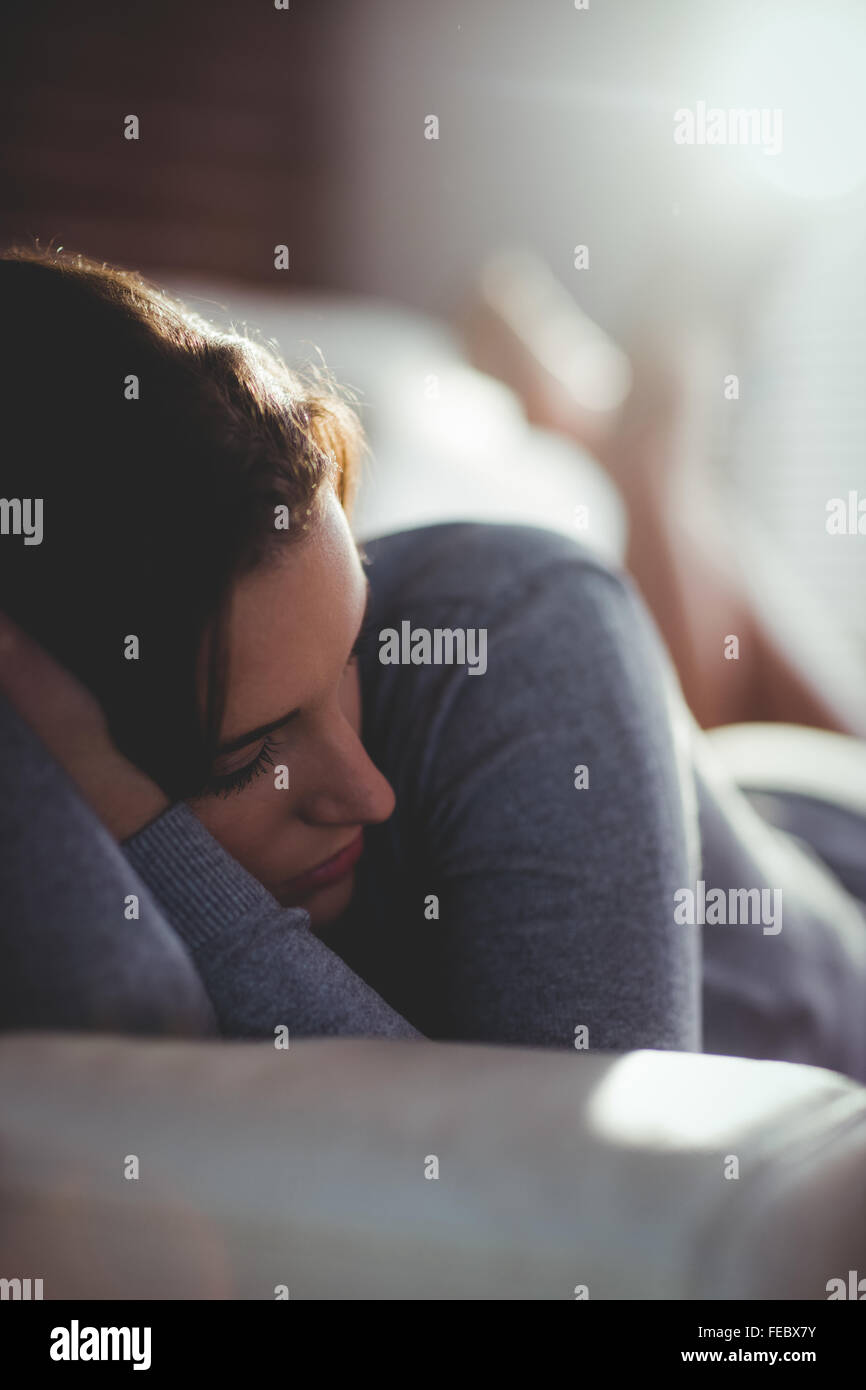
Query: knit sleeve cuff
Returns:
{"type": "Point", "coordinates": [203, 890]}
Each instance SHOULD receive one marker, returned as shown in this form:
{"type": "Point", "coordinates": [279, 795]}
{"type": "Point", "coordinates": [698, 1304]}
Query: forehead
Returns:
{"type": "Point", "coordinates": [292, 623]}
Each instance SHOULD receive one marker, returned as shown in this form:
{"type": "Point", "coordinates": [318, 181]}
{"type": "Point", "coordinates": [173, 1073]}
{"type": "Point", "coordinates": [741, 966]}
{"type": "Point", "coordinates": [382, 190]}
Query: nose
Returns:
{"type": "Point", "coordinates": [349, 789]}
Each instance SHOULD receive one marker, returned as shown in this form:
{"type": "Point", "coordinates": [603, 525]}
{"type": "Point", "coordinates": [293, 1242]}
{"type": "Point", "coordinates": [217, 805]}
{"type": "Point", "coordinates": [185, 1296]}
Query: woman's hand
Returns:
{"type": "Point", "coordinates": [70, 723]}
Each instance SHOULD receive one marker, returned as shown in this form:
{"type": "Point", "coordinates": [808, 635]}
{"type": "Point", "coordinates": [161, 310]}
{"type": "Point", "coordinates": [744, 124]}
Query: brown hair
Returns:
{"type": "Point", "coordinates": [161, 447]}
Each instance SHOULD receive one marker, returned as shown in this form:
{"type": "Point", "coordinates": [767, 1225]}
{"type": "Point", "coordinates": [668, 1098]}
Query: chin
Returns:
{"type": "Point", "coordinates": [328, 904]}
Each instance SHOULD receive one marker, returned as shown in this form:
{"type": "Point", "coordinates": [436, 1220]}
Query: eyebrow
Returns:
{"type": "Point", "coordinates": [243, 739]}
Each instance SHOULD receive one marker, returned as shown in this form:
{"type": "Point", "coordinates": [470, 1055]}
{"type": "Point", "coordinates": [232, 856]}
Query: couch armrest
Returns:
{"type": "Point", "coordinates": [307, 1167]}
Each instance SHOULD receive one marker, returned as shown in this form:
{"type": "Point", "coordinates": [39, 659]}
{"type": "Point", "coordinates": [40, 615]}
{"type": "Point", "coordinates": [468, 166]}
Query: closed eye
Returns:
{"type": "Point", "coordinates": [223, 784]}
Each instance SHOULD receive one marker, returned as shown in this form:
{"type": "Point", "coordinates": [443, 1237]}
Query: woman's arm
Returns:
{"type": "Point", "coordinates": [261, 964]}
{"type": "Point", "coordinates": [83, 945]}
{"type": "Point", "coordinates": [545, 813]}
{"type": "Point", "coordinates": [93, 933]}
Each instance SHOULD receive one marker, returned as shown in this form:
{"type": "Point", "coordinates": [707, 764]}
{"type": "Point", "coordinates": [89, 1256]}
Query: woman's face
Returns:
{"type": "Point", "coordinates": [293, 786]}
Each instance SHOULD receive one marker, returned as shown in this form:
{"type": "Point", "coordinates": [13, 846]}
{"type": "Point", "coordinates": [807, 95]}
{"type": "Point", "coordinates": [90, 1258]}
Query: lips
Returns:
{"type": "Point", "coordinates": [329, 871]}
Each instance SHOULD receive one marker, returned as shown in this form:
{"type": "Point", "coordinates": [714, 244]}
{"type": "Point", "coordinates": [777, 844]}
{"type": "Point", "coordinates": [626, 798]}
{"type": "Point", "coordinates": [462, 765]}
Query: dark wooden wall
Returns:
{"type": "Point", "coordinates": [240, 149]}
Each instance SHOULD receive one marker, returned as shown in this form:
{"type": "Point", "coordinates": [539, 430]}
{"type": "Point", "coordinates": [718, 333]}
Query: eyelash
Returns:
{"type": "Point", "coordinates": [232, 782]}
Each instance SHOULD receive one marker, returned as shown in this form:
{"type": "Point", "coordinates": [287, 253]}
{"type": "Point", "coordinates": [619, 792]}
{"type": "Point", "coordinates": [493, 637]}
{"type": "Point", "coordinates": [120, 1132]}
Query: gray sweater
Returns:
{"type": "Point", "coordinates": [509, 899]}
{"type": "Point", "coordinates": [552, 917]}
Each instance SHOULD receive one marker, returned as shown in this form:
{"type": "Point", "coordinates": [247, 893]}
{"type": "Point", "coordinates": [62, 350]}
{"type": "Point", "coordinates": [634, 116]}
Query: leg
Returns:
{"type": "Point", "coordinates": [684, 550]}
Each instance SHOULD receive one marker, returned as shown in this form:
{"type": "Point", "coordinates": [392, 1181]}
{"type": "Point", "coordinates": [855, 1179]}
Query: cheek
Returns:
{"type": "Point", "coordinates": [256, 827]}
{"type": "Point", "coordinates": [246, 825]}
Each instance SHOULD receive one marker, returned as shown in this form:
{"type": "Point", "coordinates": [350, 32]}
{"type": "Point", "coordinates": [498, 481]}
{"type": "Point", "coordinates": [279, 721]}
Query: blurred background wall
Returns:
{"type": "Point", "coordinates": [306, 127]}
{"type": "Point", "coordinates": [555, 128]}
{"type": "Point", "coordinates": [237, 146]}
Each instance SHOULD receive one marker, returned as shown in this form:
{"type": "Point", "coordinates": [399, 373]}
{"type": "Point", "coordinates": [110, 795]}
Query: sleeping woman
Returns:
{"type": "Point", "coordinates": [223, 813]}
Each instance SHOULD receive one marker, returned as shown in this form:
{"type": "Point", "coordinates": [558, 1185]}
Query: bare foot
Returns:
{"type": "Point", "coordinates": [651, 419]}
{"type": "Point", "coordinates": [523, 327]}
{"type": "Point", "coordinates": [659, 449]}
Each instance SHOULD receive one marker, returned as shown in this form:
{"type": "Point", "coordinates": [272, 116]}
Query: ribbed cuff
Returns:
{"type": "Point", "coordinates": [202, 888]}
